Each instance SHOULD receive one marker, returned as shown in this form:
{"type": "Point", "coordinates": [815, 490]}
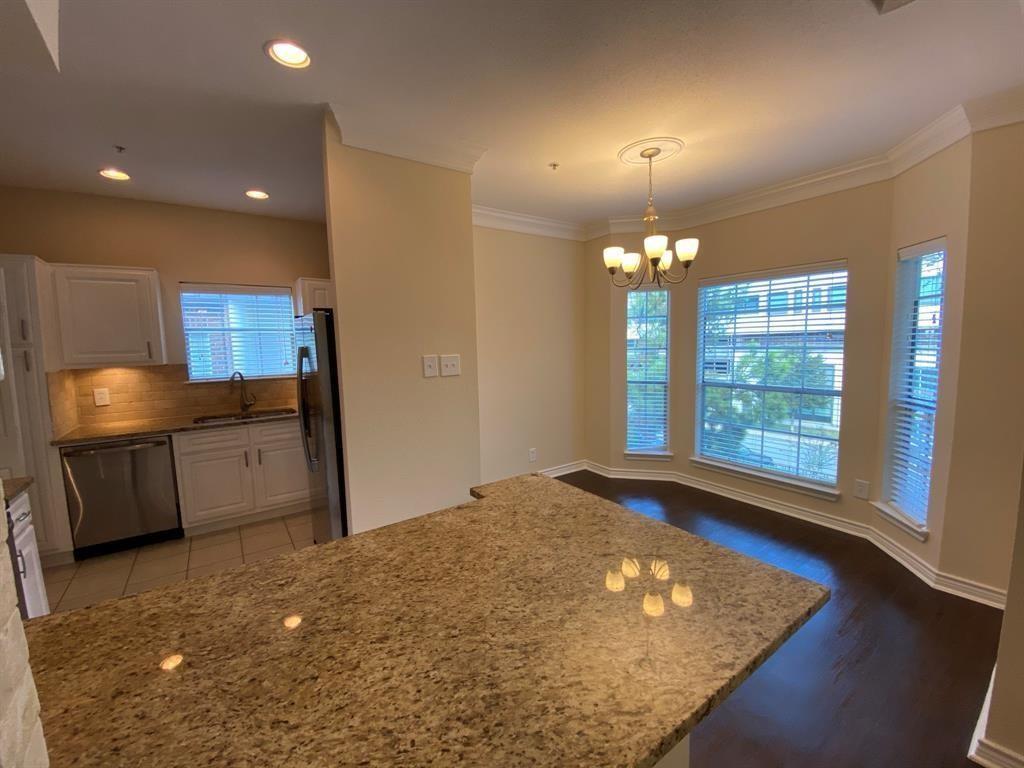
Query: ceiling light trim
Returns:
{"type": "Point", "coordinates": [408, 145]}
{"type": "Point", "coordinates": [510, 221]}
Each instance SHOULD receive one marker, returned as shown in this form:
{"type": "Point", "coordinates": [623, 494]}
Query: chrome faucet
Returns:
{"type": "Point", "coordinates": [247, 401]}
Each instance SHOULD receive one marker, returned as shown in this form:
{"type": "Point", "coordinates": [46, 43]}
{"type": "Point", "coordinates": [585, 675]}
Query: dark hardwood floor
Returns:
{"type": "Point", "coordinates": [890, 673]}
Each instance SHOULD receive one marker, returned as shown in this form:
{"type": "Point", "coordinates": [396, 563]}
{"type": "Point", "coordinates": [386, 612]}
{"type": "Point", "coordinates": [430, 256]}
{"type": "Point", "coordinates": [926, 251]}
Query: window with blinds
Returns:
{"type": "Point", "coordinates": [770, 372]}
{"type": "Point", "coordinates": [914, 377]}
{"type": "Point", "coordinates": [232, 328]}
{"type": "Point", "coordinates": [647, 371]}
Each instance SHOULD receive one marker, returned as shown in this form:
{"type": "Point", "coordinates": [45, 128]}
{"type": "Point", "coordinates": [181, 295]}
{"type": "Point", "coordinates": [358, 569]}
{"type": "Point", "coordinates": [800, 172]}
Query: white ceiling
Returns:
{"type": "Point", "coordinates": [759, 91]}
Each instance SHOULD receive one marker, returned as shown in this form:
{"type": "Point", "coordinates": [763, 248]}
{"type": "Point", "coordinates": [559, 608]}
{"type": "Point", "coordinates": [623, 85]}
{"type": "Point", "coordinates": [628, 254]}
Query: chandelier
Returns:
{"type": "Point", "coordinates": [654, 265]}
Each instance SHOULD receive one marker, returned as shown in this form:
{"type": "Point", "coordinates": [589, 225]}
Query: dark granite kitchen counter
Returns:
{"type": "Point", "coordinates": [123, 430]}
{"type": "Point", "coordinates": [15, 486]}
{"type": "Point", "coordinates": [501, 633]}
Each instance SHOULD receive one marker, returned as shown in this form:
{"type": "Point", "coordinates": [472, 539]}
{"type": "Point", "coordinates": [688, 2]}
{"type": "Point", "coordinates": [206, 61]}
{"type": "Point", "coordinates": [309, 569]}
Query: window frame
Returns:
{"type": "Point", "coordinates": [228, 288]}
{"type": "Point", "coordinates": [810, 486]}
{"type": "Point", "coordinates": [910, 523]}
{"type": "Point", "coordinates": [666, 454]}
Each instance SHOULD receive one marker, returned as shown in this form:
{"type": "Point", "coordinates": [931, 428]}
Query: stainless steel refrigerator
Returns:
{"type": "Point", "coordinates": [319, 404]}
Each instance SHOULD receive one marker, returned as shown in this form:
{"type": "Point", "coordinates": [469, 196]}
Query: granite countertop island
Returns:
{"type": "Point", "coordinates": [488, 634]}
{"type": "Point", "coordinates": [15, 486]}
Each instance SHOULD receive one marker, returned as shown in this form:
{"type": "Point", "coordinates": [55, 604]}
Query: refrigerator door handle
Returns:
{"type": "Point", "coordinates": [311, 461]}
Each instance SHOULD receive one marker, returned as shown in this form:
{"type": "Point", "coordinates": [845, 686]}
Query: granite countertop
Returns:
{"type": "Point", "coordinates": [148, 427]}
{"type": "Point", "coordinates": [480, 635]}
{"type": "Point", "coordinates": [15, 486]}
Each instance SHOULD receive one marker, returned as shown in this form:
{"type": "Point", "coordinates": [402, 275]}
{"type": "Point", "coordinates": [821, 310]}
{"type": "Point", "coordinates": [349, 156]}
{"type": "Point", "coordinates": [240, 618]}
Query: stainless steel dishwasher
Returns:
{"type": "Point", "coordinates": [121, 494]}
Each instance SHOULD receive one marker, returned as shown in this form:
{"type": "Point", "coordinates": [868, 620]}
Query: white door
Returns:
{"type": "Point", "coordinates": [12, 456]}
{"type": "Point", "coordinates": [108, 316]}
{"type": "Point", "coordinates": [215, 485]}
{"type": "Point", "coordinates": [281, 475]}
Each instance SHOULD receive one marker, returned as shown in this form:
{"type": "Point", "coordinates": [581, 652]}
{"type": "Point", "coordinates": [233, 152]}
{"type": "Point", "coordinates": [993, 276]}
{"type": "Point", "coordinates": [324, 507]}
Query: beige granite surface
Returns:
{"type": "Point", "coordinates": [149, 427]}
{"type": "Point", "coordinates": [481, 635]}
{"type": "Point", "coordinates": [15, 486]}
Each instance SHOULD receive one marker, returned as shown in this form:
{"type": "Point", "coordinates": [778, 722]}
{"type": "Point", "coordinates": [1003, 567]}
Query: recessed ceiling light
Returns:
{"type": "Point", "coordinates": [256, 194]}
{"type": "Point", "coordinates": [171, 662]}
{"type": "Point", "coordinates": [114, 174]}
{"type": "Point", "coordinates": [291, 622]}
{"type": "Point", "coordinates": [287, 54]}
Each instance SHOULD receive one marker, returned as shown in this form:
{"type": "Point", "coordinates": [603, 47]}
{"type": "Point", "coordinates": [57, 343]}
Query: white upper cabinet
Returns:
{"type": "Point", "coordinates": [109, 316]}
{"type": "Point", "coordinates": [313, 293]}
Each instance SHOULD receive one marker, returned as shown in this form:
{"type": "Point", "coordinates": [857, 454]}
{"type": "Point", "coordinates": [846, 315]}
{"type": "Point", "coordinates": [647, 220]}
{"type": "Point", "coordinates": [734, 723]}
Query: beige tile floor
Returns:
{"type": "Point", "coordinates": [124, 573]}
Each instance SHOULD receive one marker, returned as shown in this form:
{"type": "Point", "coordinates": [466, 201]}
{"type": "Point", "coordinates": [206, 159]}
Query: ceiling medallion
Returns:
{"type": "Point", "coordinates": [653, 266]}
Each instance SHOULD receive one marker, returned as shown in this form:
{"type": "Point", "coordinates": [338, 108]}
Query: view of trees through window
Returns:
{"type": "Point", "coordinates": [647, 371]}
{"type": "Point", "coordinates": [770, 364]}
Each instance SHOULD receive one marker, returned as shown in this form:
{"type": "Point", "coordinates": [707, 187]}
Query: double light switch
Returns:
{"type": "Point", "coordinates": [444, 365]}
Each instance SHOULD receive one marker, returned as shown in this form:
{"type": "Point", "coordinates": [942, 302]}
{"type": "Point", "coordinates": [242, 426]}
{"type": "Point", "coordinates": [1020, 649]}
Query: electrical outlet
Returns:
{"type": "Point", "coordinates": [101, 396]}
{"type": "Point", "coordinates": [533, 455]}
{"type": "Point", "coordinates": [429, 366]}
{"type": "Point", "coordinates": [451, 365]}
{"type": "Point", "coordinates": [861, 489]}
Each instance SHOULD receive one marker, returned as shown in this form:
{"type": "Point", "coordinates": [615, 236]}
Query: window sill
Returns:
{"type": "Point", "coordinates": [790, 484]}
{"type": "Point", "coordinates": [901, 520]}
{"type": "Point", "coordinates": [247, 379]}
{"type": "Point", "coordinates": [648, 455]}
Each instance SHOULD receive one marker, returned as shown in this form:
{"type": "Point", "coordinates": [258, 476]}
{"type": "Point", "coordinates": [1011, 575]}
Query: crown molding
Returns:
{"type": "Point", "coordinates": [407, 145]}
{"type": "Point", "coordinates": [527, 224]}
{"type": "Point", "coordinates": [997, 109]}
{"type": "Point", "coordinates": [942, 132]}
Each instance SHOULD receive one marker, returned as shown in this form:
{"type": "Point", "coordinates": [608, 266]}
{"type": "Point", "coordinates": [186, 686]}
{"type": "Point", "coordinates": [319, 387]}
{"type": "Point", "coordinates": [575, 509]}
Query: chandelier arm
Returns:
{"type": "Point", "coordinates": [682, 279]}
{"type": "Point", "coordinates": [617, 284]}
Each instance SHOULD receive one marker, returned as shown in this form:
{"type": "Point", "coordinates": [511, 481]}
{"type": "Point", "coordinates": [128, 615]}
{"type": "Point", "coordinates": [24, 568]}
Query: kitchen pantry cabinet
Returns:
{"type": "Point", "coordinates": [239, 471]}
{"type": "Point", "coordinates": [109, 316]}
{"type": "Point", "coordinates": [313, 293]}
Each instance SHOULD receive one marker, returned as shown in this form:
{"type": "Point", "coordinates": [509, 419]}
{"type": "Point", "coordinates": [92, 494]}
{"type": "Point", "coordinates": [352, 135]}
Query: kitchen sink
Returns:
{"type": "Point", "coordinates": [227, 418]}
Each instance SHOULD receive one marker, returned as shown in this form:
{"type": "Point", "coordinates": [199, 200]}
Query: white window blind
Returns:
{"type": "Point", "coordinates": [770, 372]}
{"type": "Point", "coordinates": [647, 371]}
{"type": "Point", "coordinates": [914, 378]}
{"type": "Point", "coordinates": [232, 328]}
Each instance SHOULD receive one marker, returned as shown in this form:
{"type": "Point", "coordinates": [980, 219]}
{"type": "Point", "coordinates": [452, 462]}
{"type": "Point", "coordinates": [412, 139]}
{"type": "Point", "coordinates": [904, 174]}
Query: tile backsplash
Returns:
{"type": "Point", "coordinates": [151, 392]}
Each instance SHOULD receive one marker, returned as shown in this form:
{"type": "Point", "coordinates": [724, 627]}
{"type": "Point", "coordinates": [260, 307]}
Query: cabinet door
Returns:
{"type": "Point", "coordinates": [215, 485]}
{"type": "Point", "coordinates": [19, 312]}
{"type": "Point", "coordinates": [30, 570]}
{"type": "Point", "coordinates": [281, 475]}
{"type": "Point", "coordinates": [108, 316]}
{"type": "Point", "coordinates": [313, 293]}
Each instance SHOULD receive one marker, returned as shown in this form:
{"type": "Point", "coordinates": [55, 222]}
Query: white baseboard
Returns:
{"type": "Point", "coordinates": [992, 755]}
{"type": "Point", "coordinates": [946, 582]}
{"type": "Point", "coordinates": [564, 469]}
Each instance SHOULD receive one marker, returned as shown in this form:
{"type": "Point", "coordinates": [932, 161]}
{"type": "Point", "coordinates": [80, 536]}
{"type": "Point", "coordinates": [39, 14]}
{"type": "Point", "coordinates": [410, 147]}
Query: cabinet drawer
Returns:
{"type": "Point", "coordinates": [279, 432]}
{"type": "Point", "coordinates": [211, 439]}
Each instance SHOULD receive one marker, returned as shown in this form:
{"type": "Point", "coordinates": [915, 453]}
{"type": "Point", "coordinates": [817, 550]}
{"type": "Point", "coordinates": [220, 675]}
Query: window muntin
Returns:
{"type": "Point", "coordinates": [914, 379]}
{"type": "Point", "coordinates": [775, 406]}
{"type": "Point", "coordinates": [232, 328]}
{"type": "Point", "coordinates": [647, 381]}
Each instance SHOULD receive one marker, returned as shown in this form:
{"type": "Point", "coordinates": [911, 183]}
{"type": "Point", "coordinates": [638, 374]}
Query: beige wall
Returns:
{"type": "Point", "coordinates": [851, 225]}
{"type": "Point", "coordinates": [529, 323]}
{"type": "Point", "coordinates": [988, 445]}
{"type": "Point", "coordinates": [1005, 725]}
{"type": "Point", "coordinates": [969, 193]}
{"type": "Point", "coordinates": [181, 242]}
{"type": "Point", "coordinates": [402, 255]}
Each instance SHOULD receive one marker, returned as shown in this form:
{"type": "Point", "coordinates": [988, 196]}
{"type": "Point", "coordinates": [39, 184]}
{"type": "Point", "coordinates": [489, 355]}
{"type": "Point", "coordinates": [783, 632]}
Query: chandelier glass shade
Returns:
{"type": "Point", "coordinates": [654, 265]}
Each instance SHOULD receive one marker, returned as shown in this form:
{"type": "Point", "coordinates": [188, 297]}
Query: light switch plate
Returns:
{"type": "Point", "coordinates": [429, 366]}
{"type": "Point", "coordinates": [533, 455]}
{"type": "Point", "coordinates": [861, 489]}
{"type": "Point", "coordinates": [451, 365]}
{"type": "Point", "coordinates": [101, 396]}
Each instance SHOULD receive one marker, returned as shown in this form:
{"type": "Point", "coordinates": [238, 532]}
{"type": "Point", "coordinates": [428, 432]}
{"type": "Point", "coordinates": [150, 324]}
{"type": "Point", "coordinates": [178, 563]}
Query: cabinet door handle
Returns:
{"type": "Point", "coordinates": [246, 457]}
{"type": "Point", "coordinates": [28, 362]}
{"type": "Point", "coordinates": [149, 350]}
{"type": "Point", "coordinates": [24, 330]}
{"type": "Point", "coordinates": [259, 455]}
{"type": "Point", "coordinates": [21, 564]}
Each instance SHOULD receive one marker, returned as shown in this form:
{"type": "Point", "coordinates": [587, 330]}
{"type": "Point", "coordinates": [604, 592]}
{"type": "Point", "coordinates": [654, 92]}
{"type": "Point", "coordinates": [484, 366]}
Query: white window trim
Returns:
{"type": "Point", "coordinates": [827, 492]}
{"type": "Point", "coordinates": [819, 490]}
{"type": "Point", "coordinates": [901, 520]}
{"type": "Point", "coordinates": [888, 510]}
{"type": "Point", "coordinates": [667, 454]}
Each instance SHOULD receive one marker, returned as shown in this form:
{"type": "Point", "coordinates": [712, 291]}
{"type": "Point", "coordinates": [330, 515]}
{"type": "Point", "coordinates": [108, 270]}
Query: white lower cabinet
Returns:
{"type": "Point", "coordinates": [238, 471]}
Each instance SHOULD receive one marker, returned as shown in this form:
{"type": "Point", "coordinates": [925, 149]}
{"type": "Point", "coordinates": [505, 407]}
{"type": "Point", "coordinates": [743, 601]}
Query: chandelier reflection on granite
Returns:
{"type": "Point", "coordinates": [654, 265]}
